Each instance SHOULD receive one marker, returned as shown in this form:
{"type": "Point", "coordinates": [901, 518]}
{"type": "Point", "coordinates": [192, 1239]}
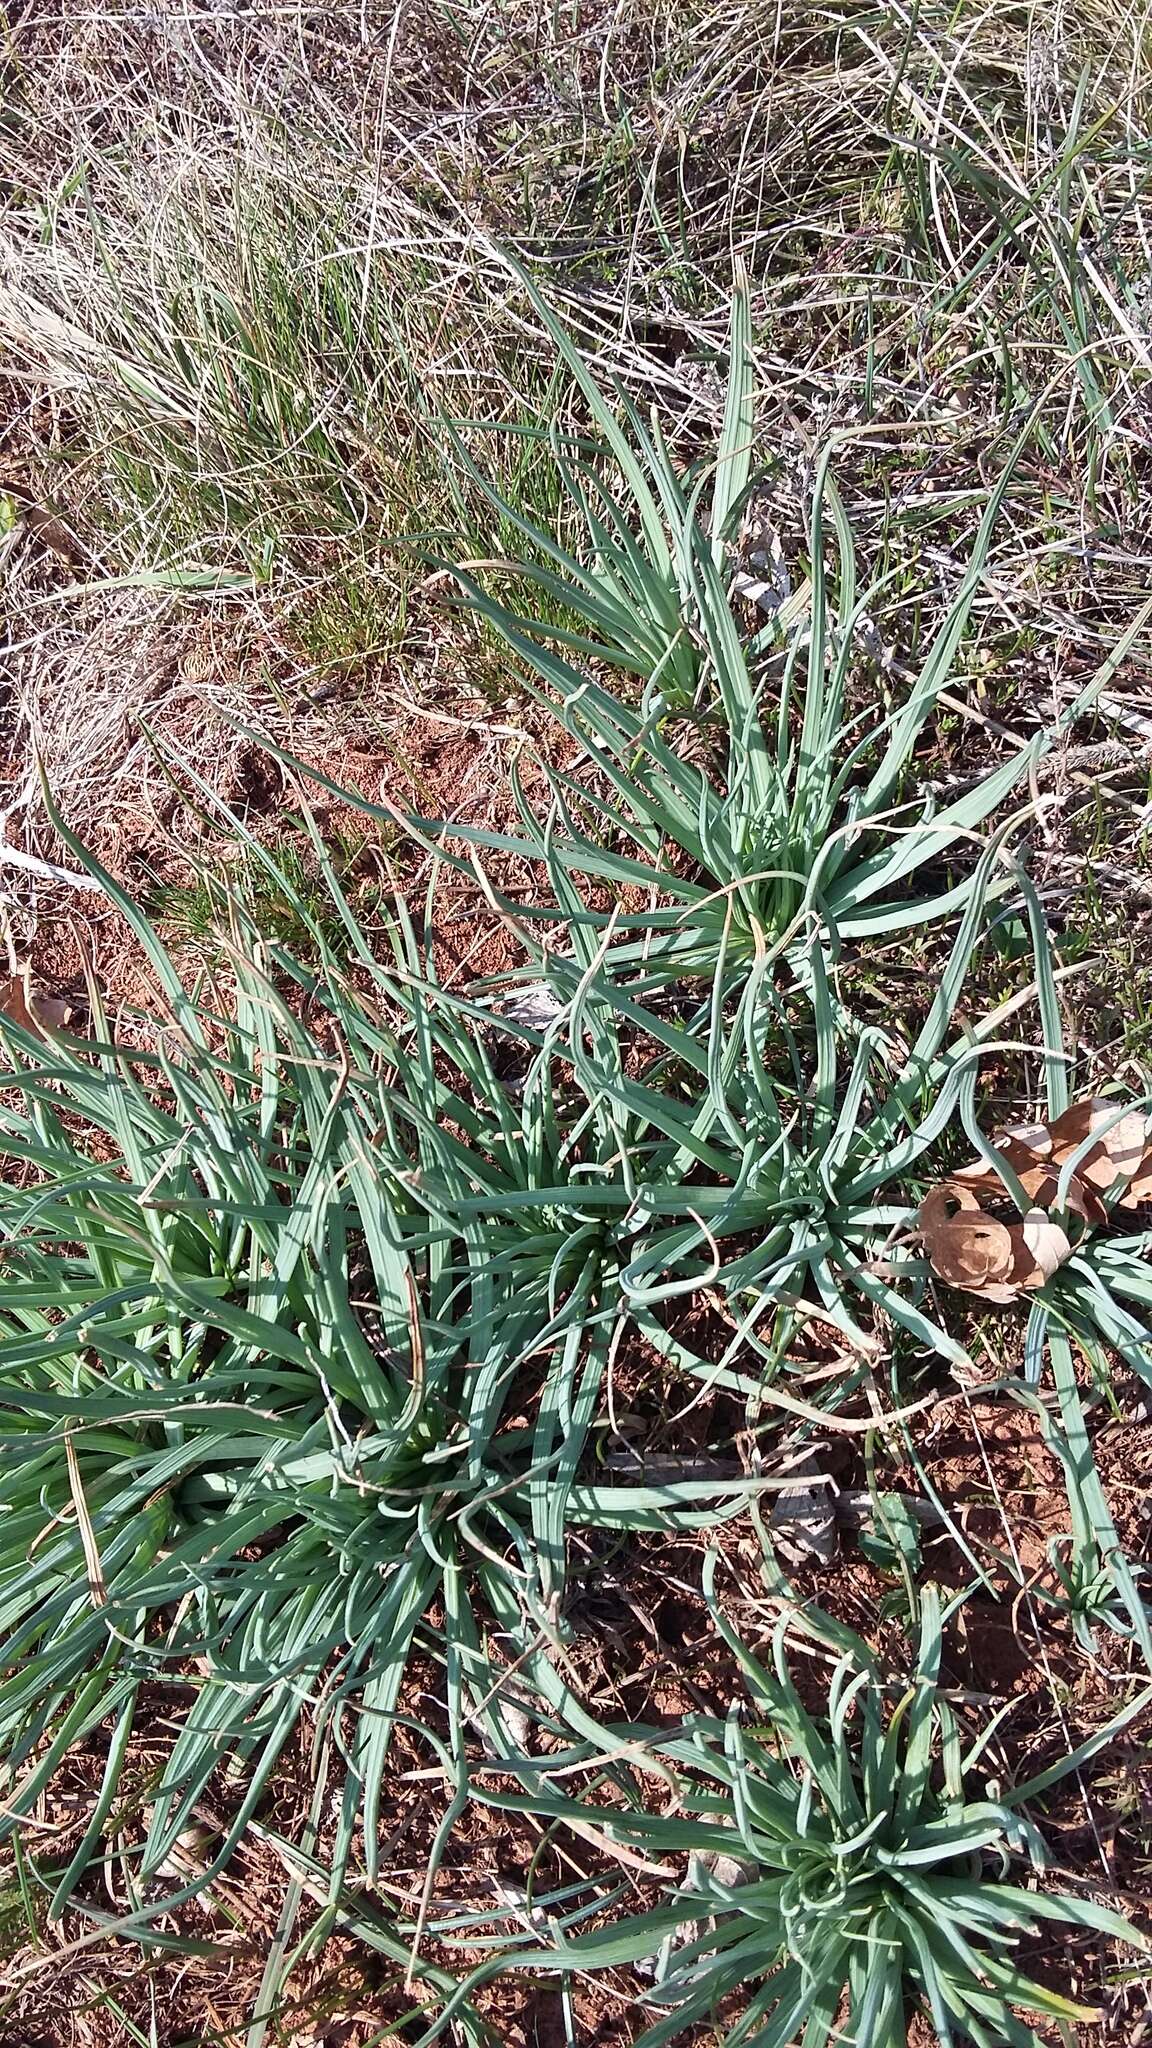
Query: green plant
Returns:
{"type": "Point", "coordinates": [837, 1865]}
{"type": "Point", "coordinates": [243, 1418]}
{"type": "Point", "coordinates": [235, 316]}
{"type": "Point", "coordinates": [262, 1352]}
{"type": "Point", "coordinates": [810, 817]}
{"type": "Point", "coordinates": [201, 911]}
{"type": "Point", "coordinates": [1091, 1300]}
{"type": "Point", "coordinates": [728, 1140]}
{"type": "Point", "coordinates": [1098, 1585]}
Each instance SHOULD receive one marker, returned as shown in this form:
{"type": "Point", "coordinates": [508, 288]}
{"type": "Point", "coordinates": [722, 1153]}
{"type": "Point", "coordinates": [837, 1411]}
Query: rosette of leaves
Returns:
{"type": "Point", "coordinates": [842, 1869]}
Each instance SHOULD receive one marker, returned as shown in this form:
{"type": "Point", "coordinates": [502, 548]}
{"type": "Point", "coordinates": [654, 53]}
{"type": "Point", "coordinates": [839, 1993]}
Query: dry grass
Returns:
{"type": "Point", "coordinates": [255, 266]}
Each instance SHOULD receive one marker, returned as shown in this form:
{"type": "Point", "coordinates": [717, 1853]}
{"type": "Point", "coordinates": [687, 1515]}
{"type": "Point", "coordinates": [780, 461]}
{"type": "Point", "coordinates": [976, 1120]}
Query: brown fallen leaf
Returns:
{"type": "Point", "coordinates": [28, 1007]}
{"type": "Point", "coordinates": [1117, 1155]}
{"type": "Point", "coordinates": [1046, 1245]}
{"type": "Point", "coordinates": [962, 1224]}
{"type": "Point", "coordinates": [1039, 1181]}
{"type": "Point", "coordinates": [1138, 1190]}
{"type": "Point", "coordinates": [973, 1250]}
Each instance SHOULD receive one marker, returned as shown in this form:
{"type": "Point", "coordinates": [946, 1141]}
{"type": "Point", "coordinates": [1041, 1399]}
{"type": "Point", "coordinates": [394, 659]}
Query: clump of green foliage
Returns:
{"type": "Point", "coordinates": [311, 1295]}
{"type": "Point", "coordinates": [838, 1866]}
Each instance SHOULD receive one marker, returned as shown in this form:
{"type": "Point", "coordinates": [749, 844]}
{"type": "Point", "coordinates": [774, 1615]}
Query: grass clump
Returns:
{"type": "Point", "coordinates": [837, 1863]}
{"type": "Point", "coordinates": [283, 899]}
{"type": "Point", "coordinates": [255, 1409]}
{"type": "Point", "coordinates": [807, 819]}
{"type": "Point", "coordinates": [283, 1395]}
